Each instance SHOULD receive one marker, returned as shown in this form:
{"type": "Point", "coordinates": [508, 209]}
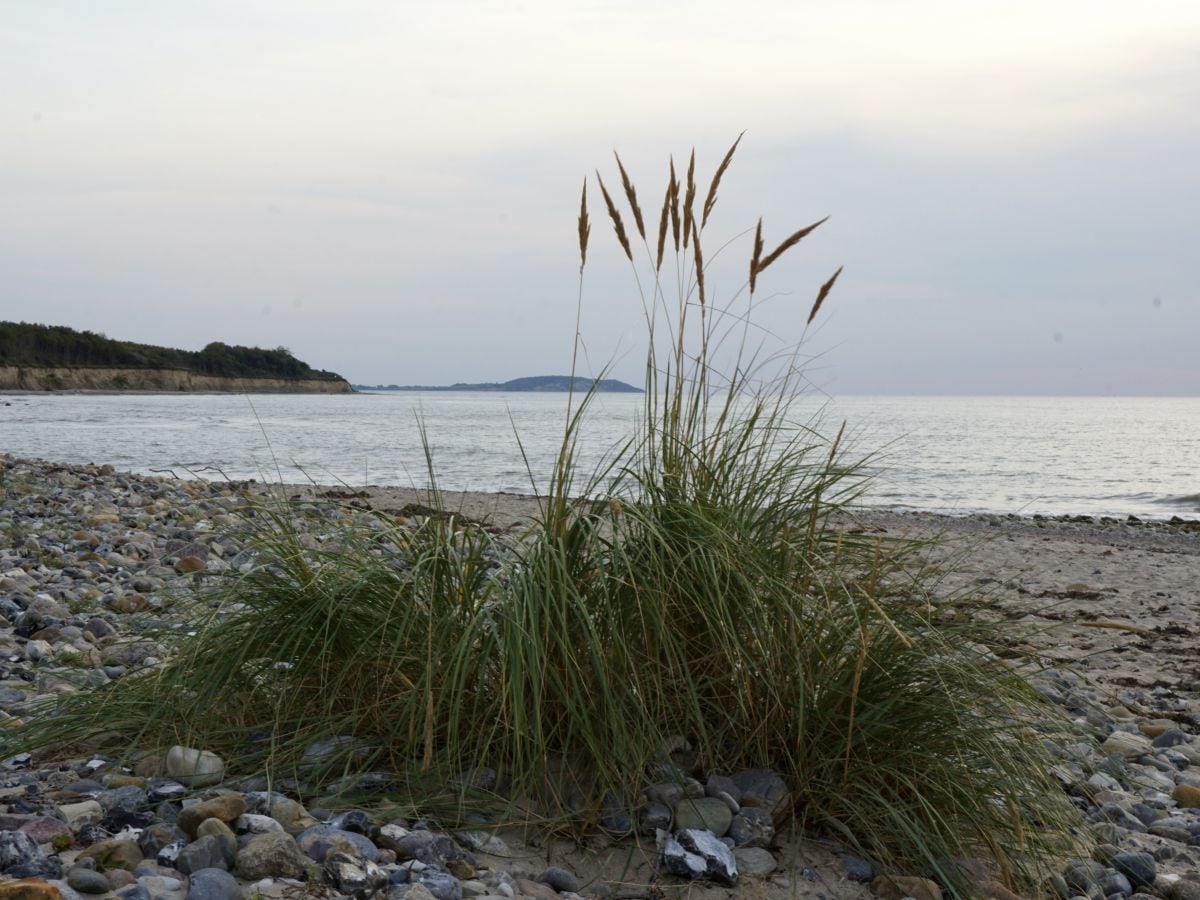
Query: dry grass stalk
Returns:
{"type": "Point", "coordinates": [674, 188]}
{"type": "Point", "coordinates": [585, 228]}
{"type": "Point", "coordinates": [689, 199]}
{"type": "Point", "coordinates": [631, 196]}
{"type": "Point", "coordinates": [699, 262]}
{"type": "Point", "coordinates": [788, 243]}
{"type": "Point", "coordinates": [618, 225]}
{"type": "Point", "coordinates": [711, 200]}
{"type": "Point", "coordinates": [821, 295]}
{"type": "Point", "coordinates": [663, 218]}
{"type": "Point", "coordinates": [757, 255]}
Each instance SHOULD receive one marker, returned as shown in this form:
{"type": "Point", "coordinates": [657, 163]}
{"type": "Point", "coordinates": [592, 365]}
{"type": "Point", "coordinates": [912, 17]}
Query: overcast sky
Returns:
{"type": "Point", "coordinates": [390, 188]}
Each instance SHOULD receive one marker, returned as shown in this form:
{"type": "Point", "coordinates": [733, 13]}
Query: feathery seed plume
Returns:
{"type": "Point", "coordinates": [699, 261]}
{"type": "Point", "coordinates": [711, 200]}
{"type": "Point", "coordinates": [674, 186]}
{"type": "Point", "coordinates": [631, 196]}
{"type": "Point", "coordinates": [788, 243]}
{"type": "Point", "coordinates": [618, 225]}
{"type": "Point", "coordinates": [821, 295]}
{"type": "Point", "coordinates": [689, 199]}
{"type": "Point", "coordinates": [662, 228]}
{"type": "Point", "coordinates": [585, 228]}
{"type": "Point", "coordinates": [757, 255]}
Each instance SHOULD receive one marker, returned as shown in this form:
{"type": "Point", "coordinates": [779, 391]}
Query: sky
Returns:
{"type": "Point", "coordinates": [390, 189]}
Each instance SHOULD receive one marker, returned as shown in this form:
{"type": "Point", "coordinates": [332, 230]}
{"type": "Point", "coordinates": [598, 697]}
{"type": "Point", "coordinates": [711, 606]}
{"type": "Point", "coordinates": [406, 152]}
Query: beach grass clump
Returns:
{"type": "Point", "coordinates": [698, 605]}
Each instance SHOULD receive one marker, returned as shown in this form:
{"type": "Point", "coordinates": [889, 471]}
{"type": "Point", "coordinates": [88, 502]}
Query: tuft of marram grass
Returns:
{"type": "Point", "coordinates": [697, 588]}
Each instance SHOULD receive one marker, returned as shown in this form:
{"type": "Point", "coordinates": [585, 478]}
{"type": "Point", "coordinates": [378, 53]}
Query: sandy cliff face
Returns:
{"type": "Point", "coordinates": [28, 378]}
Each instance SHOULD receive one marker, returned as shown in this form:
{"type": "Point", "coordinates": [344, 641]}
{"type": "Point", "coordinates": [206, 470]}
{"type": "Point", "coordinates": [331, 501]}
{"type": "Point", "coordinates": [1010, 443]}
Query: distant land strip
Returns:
{"type": "Point", "coordinates": [530, 384]}
{"type": "Point", "coordinates": [57, 358]}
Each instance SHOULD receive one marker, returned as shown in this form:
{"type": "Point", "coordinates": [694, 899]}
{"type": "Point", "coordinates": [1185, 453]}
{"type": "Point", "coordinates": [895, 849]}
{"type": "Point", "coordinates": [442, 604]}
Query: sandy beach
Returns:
{"type": "Point", "coordinates": [1111, 608]}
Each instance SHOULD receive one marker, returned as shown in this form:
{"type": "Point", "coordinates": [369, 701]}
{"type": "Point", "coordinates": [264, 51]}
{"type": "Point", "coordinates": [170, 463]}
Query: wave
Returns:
{"type": "Point", "coordinates": [1191, 500]}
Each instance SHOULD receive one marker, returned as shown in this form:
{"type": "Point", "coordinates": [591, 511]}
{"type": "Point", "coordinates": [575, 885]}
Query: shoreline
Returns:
{"type": "Point", "coordinates": [1112, 611]}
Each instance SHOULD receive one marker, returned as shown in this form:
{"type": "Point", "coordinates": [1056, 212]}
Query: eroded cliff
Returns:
{"type": "Point", "coordinates": [103, 378]}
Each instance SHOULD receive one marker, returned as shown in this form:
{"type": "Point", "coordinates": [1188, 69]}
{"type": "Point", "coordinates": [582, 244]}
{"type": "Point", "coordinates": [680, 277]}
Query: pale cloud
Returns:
{"type": "Point", "coordinates": [277, 168]}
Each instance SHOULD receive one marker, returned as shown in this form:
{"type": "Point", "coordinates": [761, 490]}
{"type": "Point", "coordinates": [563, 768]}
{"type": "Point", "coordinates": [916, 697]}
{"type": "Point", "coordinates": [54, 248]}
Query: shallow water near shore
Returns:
{"type": "Point", "coordinates": [1049, 455]}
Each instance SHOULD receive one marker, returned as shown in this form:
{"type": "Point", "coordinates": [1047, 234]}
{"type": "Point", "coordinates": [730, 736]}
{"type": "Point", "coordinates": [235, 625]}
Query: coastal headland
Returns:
{"type": "Point", "coordinates": [92, 560]}
{"type": "Point", "coordinates": [117, 379]}
{"type": "Point", "coordinates": [57, 358]}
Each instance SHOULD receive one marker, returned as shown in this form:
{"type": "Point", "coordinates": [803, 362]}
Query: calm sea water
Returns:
{"type": "Point", "coordinates": [1099, 456]}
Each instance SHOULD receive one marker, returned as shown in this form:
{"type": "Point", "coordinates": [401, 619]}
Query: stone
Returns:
{"type": "Point", "coordinates": [1186, 796]}
{"type": "Point", "coordinates": [44, 829]}
{"type": "Point", "coordinates": [213, 884]}
{"type": "Point", "coordinates": [409, 892]}
{"type": "Point", "coordinates": [1170, 737]}
{"type": "Point", "coordinates": [159, 835]}
{"type": "Point", "coordinates": [1131, 746]}
{"type": "Point", "coordinates": [271, 855]}
{"type": "Point", "coordinates": [222, 832]}
{"type": "Point", "coordinates": [129, 798]}
{"type": "Point", "coordinates": [1116, 883]}
{"type": "Point", "coordinates": [206, 852]}
{"type": "Point", "coordinates": [252, 823]}
{"type": "Point", "coordinates": [355, 876]}
{"type": "Point", "coordinates": [1183, 889]}
{"type": "Point", "coordinates": [1084, 874]}
{"type": "Point", "coordinates": [654, 817]}
{"type": "Point", "coordinates": [721, 784]}
{"type": "Point", "coordinates": [764, 789]}
{"type": "Point", "coordinates": [319, 840]}
{"type": "Point", "coordinates": [559, 879]}
{"type": "Point", "coordinates": [754, 862]}
{"type": "Point", "coordinates": [87, 812]}
{"type": "Point", "coordinates": [484, 842]}
{"type": "Point", "coordinates": [17, 849]}
{"type": "Point", "coordinates": [719, 864]}
{"type": "Point", "coordinates": [287, 812]}
{"type": "Point", "coordinates": [668, 793]}
{"type": "Point", "coordinates": [1139, 868]}
{"type": "Point", "coordinates": [165, 789]}
{"type": "Point", "coordinates": [459, 868]}
{"type": "Point", "coordinates": [226, 808]}
{"type": "Point", "coordinates": [162, 887]}
{"type": "Point", "coordinates": [119, 878]}
{"type": "Point", "coordinates": [425, 846]}
{"type": "Point", "coordinates": [855, 868]}
{"type": "Point", "coordinates": [88, 881]}
{"type": "Point", "coordinates": [705, 813]}
{"type": "Point", "coordinates": [114, 854]}
{"type": "Point", "coordinates": [29, 889]}
{"type": "Point", "coordinates": [442, 885]}
{"type": "Point", "coordinates": [195, 768]}
{"type": "Point", "coordinates": [752, 827]}
{"type": "Point", "coordinates": [536, 890]}
{"type": "Point", "coordinates": [896, 887]}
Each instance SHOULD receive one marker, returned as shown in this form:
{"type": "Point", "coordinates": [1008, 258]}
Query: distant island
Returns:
{"type": "Point", "coordinates": [57, 358]}
{"type": "Point", "coordinates": [535, 383]}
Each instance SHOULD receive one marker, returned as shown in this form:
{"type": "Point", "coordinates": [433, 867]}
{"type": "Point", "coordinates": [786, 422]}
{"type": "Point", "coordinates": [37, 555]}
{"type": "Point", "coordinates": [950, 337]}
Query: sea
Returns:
{"type": "Point", "coordinates": [1098, 456]}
